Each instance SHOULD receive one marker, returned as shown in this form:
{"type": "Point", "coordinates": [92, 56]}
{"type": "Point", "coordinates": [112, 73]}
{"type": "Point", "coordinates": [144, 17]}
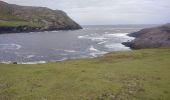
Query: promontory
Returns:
{"type": "Point", "coordinates": [15, 18]}
{"type": "Point", "coordinates": [155, 37]}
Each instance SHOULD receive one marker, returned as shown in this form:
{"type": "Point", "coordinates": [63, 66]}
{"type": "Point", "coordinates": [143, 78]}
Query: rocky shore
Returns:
{"type": "Point", "coordinates": [19, 29]}
{"type": "Point", "coordinates": [150, 38]}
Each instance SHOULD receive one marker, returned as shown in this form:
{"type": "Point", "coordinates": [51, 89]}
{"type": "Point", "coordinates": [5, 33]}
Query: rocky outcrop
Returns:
{"type": "Point", "coordinates": [18, 29]}
{"type": "Point", "coordinates": [34, 19]}
{"type": "Point", "coordinates": [150, 38]}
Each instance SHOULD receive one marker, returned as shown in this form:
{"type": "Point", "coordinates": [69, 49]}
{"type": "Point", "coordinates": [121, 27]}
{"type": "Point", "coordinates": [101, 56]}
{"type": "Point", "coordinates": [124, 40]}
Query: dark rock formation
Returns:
{"type": "Point", "coordinates": [14, 63]}
{"type": "Point", "coordinates": [150, 38]}
{"type": "Point", "coordinates": [18, 29]}
{"type": "Point", "coordinates": [14, 18]}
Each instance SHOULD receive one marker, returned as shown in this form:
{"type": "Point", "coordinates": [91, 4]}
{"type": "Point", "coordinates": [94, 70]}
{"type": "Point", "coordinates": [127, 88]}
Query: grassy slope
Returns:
{"type": "Point", "coordinates": [135, 75]}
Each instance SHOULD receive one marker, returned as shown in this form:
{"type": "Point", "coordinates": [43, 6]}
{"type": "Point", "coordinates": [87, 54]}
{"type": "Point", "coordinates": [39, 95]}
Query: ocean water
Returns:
{"type": "Point", "coordinates": [41, 47]}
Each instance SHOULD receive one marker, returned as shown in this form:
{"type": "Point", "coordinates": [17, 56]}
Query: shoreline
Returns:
{"type": "Point", "coordinates": [154, 37]}
{"type": "Point", "coordinates": [63, 60]}
{"type": "Point", "coordinates": [36, 30]}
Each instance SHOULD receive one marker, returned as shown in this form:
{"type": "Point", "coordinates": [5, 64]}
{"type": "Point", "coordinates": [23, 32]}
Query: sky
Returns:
{"type": "Point", "coordinates": [108, 12]}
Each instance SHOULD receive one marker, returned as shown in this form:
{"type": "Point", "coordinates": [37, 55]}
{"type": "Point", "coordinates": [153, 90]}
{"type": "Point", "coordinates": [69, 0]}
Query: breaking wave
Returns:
{"type": "Point", "coordinates": [10, 46]}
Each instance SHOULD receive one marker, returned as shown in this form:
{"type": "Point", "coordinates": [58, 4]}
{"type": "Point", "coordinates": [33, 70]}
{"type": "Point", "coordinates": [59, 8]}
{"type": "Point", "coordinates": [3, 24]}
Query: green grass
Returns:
{"type": "Point", "coordinates": [134, 75]}
{"type": "Point", "coordinates": [18, 23]}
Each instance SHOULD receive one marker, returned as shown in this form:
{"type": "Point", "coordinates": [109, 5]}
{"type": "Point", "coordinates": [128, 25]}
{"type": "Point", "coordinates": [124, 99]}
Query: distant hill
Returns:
{"type": "Point", "coordinates": [14, 18]}
{"type": "Point", "coordinates": [151, 38]}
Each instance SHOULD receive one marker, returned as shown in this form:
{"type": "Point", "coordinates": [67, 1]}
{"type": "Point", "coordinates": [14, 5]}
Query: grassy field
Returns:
{"type": "Point", "coordinates": [134, 75]}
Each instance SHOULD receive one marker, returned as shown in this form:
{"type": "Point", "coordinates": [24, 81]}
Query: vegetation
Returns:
{"type": "Point", "coordinates": [134, 75]}
{"type": "Point", "coordinates": [18, 23]}
{"type": "Point", "coordinates": [35, 18]}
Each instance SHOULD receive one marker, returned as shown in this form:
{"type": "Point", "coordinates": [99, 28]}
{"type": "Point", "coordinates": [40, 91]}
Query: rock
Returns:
{"type": "Point", "coordinates": [150, 38]}
{"type": "Point", "coordinates": [14, 18]}
{"type": "Point", "coordinates": [14, 63]}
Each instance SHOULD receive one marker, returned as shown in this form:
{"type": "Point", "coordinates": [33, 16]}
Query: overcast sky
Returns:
{"type": "Point", "coordinates": [103, 12]}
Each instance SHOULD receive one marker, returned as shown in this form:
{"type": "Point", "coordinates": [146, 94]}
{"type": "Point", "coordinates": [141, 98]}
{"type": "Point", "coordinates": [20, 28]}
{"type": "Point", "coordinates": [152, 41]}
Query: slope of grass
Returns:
{"type": "Point", "coordinates": [134, 75]}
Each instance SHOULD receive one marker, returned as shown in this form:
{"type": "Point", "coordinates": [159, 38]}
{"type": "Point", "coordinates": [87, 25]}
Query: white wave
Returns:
{"type": "Point", "coordinates": [120, 34]}
{"type": "Point", "coordinates": [93, 38]}
{"type": "Point", "coordinates": [30, 56]}
{"type": "Point", "coordinates": [36, 62]}
{"type": "Point", "coordinates": [112, 46]}
{"type": "Point", "coordinates": [62, 59]}
{"type": "Point", "coordinates": [82, 37]}
{"type": "Point", "coordinates": [102, 42]}
{"type": "Point", "coordinates": [6, 62]}
{"type": "Point", "coordinates": [116, 35]}
{"type": "Point", "coordinates": [117, 47]}
{"type": "Point", "coordinates": [10, 46]}
{"type": "Point", "coordinates": [97, 38]}
{"type": "Point", "coordinates": [104, 37]}
{"type": "Point", "coordinates": [127, 28]}
{"type": "Point", "coordinates": [70, 51]}
{"type": "Point", "coordinates": [96, 54]}
{"type": "Point", "coordinates": [93, 49]}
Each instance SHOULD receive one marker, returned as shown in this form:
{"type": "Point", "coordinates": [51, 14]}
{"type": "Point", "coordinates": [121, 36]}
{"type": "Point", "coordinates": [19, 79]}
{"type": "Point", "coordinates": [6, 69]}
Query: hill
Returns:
{"type": "Point", "coordinates": [151, 38]}
{"type": "Point", "coordinates": [14, 18]}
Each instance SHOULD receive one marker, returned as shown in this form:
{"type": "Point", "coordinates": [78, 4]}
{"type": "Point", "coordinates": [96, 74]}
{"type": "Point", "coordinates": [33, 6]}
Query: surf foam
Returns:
{"type": "Point", "coordinates": [10, 46]}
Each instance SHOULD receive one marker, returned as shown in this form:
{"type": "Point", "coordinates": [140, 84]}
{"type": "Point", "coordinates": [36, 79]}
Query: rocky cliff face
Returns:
{"type": "Point", "coordinates": [34, 18]}
{"type": "Point", "coordinates": [151, 38]}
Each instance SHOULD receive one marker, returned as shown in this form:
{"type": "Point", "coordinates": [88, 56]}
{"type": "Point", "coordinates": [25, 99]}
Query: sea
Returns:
{"type": "Point", "coordinates": [53, 46]}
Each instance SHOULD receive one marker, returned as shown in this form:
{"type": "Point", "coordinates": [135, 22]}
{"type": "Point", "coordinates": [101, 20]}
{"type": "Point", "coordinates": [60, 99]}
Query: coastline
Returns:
{"type": "Point", "coordinates": [154, 37]}
{"type": "Point", "coordinates": [26, 29]}
{"type": "Point", "coordinates": [62, 60]}
{"type": "Point", "coordinates": [65, 60]}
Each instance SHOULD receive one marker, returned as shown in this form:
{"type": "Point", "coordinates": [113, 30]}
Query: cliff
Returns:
{"type": "Point", "coordinates": [14, 18]}
{"type": "Point", "coordinates": [151, 38]}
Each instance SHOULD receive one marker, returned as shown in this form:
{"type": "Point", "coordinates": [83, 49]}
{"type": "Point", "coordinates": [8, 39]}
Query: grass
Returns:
{"type": "Point", "coordinates": [18, 23]}
{"type": "Point", "coordinates": [135, 75]}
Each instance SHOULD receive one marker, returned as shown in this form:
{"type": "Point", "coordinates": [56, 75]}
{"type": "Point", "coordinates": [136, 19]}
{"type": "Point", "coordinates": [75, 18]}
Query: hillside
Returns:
{"type": "Point", "coordinates": [14, 18]}
{"type": "Point", "coordinates": [151, 38]}
{"type": "Point", "coordinates": [133, 75]}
